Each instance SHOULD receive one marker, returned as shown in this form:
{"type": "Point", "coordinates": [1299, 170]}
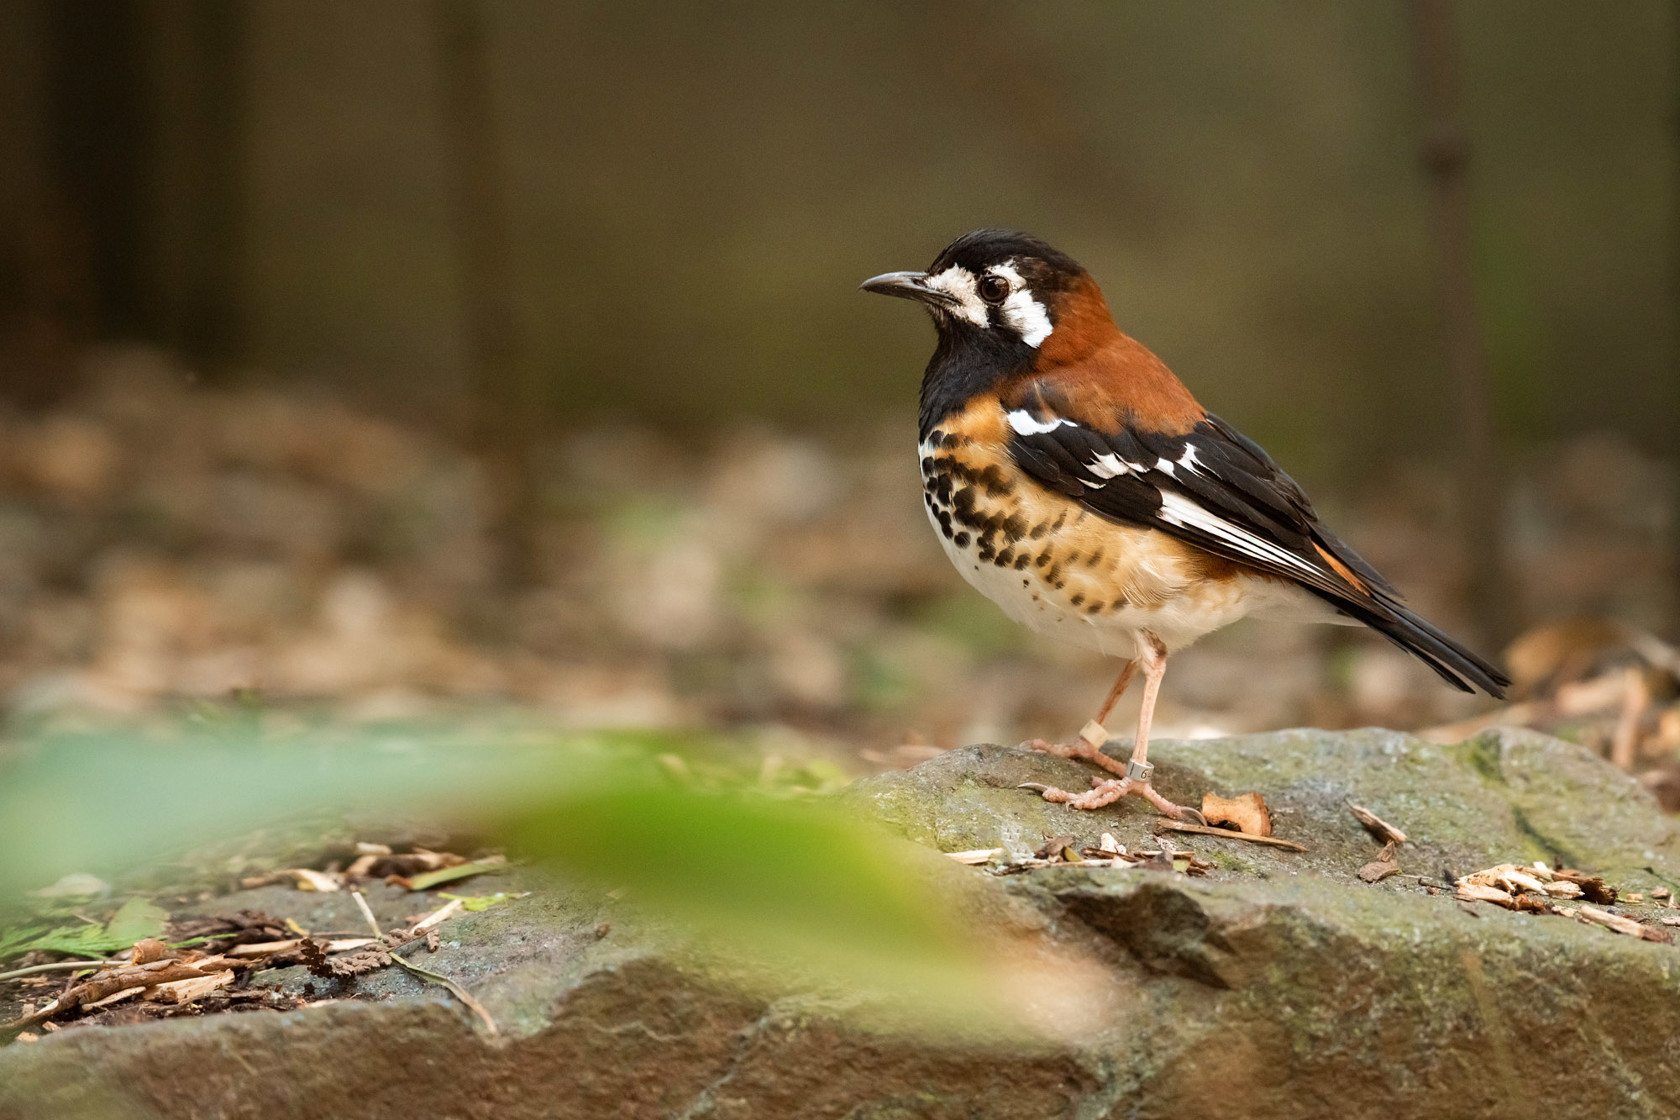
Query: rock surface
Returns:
{"type": "Point", "coordinates": [1279, 985]}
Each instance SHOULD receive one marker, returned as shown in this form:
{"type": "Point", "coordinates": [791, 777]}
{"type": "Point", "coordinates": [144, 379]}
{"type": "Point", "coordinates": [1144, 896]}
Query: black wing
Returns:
{"type": "Point", "coordinates": [1216, 489]}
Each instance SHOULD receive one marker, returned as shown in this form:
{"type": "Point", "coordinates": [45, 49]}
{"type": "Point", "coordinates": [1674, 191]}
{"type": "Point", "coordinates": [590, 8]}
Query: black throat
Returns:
{"type": "Point", "coordinates": [967, 361]}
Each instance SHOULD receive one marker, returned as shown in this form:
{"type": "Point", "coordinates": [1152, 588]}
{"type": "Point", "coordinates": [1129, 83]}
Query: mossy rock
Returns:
{"type": "Point", "coordinates": [1280, 985]}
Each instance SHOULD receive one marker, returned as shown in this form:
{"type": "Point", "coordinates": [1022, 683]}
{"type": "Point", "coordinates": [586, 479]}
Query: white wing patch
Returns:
{"type": "Point", "coordinates": [1176, 509]}
{"type": "Point", "coordinates": [1026, 425]}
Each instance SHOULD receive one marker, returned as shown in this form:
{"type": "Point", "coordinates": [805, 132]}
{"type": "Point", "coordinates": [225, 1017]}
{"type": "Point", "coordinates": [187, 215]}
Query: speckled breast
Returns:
{"type": "Point", "coordinates": [1054, 566]}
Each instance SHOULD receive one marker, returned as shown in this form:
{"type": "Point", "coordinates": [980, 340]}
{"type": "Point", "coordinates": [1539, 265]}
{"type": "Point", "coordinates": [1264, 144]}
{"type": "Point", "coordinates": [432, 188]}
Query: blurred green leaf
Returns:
{"type": "Point", "coordinates": [771, 883]}
{"type": "Point", "coordinates": [430, 879]}
{"type": "Point", "coordinates": [136, 919]}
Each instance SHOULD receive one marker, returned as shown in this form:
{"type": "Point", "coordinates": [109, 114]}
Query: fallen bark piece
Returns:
{"type": "Point", "coordinates": [1623, 924]}
{"type": "Point", "coordinates": [1247, 812]}
{"type": "Point", "coordinates": [975, 855]}
{"type": "Point", "coordinates": [1225, 833]}
{"type": "Point", "coordinates": [1376, 826]}
{"type": "Point", "coordinates": [1378, 870]}
{"type": "Point", "coordinates": [1593, 888]}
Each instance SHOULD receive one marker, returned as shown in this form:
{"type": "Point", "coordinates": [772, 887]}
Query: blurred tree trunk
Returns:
{"type": "Point", "coordinates": [202, 223]}
{"type": "Point", "coordinates": [98, 141]}
{"type": "Point", "coordinates": [1674, 293]}
{"type": "Point", "coordinates": [505, 424]}
{"type": "Point", "coordinates": [1446, 154]}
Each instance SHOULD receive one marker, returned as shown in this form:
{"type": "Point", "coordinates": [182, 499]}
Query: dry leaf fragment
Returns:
{"type": "Point", "coordinates": [1247, 812]}
{"type": "Point", "coordinates": [1376, 826]}
{"type": "Point", "coordinates": [975, 856]}
{"type": "Point", "coordinates": [147, 950]}
{"type": "Point", "coordinates": [1054, 847]}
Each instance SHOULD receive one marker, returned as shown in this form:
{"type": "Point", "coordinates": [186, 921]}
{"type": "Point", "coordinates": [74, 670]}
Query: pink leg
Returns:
{"type": "Point", "coordinates": [1082, 747]}
{"type": "Point", "coordinates": [1137, 773]}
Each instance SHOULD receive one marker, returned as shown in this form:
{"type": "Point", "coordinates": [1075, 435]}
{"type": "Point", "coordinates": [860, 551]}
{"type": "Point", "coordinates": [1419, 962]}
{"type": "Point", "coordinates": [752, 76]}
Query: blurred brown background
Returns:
{"type": "Point", "coordinates": [393, 358]}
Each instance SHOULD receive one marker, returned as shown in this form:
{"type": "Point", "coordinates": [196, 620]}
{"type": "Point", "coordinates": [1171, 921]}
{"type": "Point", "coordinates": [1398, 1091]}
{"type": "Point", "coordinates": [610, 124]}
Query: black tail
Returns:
{"type": "Point", "coordinates": [1423, 640]}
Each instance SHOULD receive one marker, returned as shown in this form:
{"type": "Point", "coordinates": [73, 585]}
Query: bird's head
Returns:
{"type": "Point", "coordinates": [1004, 303]}
{"type": "Point", "coordinates": [993, 285]}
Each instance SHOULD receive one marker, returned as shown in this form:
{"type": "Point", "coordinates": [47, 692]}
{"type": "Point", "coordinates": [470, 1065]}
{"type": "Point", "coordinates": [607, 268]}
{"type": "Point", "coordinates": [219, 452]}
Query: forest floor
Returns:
{"type": "Point", "coordinates": [167, 548]}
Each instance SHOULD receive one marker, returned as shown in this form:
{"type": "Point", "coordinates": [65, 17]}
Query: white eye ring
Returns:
{"type": "Point", "coordinates": [993, 289]}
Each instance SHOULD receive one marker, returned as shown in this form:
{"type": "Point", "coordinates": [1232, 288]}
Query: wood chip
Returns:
{"type": "Point", "coordinates": [126, 993]}
{"type": "Point", "coordinates": [1094, 733]}
{"type": "Point", "coordinates": [975, 855]}
{"type": "Point", "coordinates": [189, 989]}
{"type": "Point", "coordinates": [1376, 826]}
{"type": "Point", "coordinates": [1247, 812]}
{"type": "Point", "coordinates": [1226, 834]}
{"type": "Point", "coordinates": [1109, 844]}
{"type": "Point", "coordinates": [264, 948]}
{"type": "Point", "coordinates": [1507, 877]}
{"type": "Point", "coordinates": [1477, 892]}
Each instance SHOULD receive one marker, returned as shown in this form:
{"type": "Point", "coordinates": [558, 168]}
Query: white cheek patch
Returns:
{"type": "Point", "coordinates": [958, 282]}
{"type": "Point", "coordinates": [1024, 314]}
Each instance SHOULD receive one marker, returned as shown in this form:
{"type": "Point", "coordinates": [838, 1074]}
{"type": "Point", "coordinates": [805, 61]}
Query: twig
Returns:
{"type": "Point", "coordinates": [454, 989]}
{"type": "Point", "coordinates": [1226, 834]}
{"type": "Point", "coordinates": [56, 966]}
{"type": "Point", "coordinates": [367, 912]}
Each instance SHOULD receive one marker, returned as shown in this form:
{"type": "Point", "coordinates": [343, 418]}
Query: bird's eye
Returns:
{"type": "Point", "coordinates": [994, 289]}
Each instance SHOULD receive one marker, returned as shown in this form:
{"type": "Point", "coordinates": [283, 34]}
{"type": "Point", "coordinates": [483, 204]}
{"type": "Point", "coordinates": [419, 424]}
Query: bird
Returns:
{"type": "Point", "coordinates": [1076, 482]}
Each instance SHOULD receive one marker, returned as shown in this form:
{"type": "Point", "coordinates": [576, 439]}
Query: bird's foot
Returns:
{"type": "Point", "coordinates": [1106, 791]}
{"type": "Point", "coordinates": [1087, 747]}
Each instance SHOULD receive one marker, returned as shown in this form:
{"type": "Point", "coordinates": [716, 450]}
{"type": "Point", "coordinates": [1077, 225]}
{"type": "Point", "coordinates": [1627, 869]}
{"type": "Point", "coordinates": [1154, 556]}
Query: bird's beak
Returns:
{"type": "Point", "coordinates": [907, 285]}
